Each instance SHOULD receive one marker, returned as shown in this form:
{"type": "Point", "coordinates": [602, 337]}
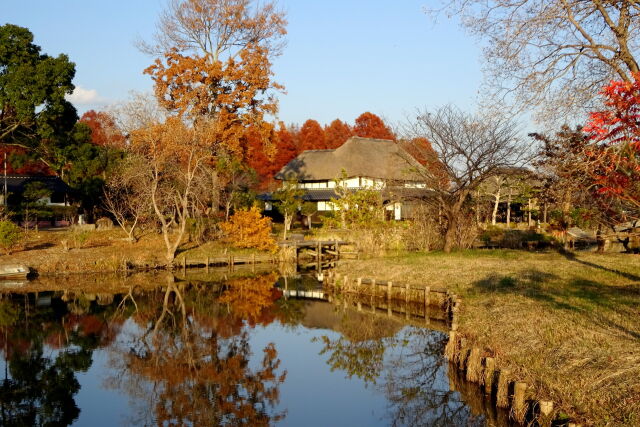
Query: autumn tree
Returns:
{"type": "Point", "coordinates": [368, 125]}
{"type": "Point", "coordinates": [614, 149]}
{"type": "Point", "coordinates": [104, 131]}
{"type": "Point", "coordinates": [553, 55]}
{"type": "Point", "coordinates": [126, 195]}
{"type": "Point", "coordinates": [471, 148]}
{"type": "Point", "coordinates": [247, 228]}
{"type": "Point", "coordinates": [311, 136]}
{"type": "Point", "coordinates": [215, 62]}
{"type": "Point", "coordinates": [336, 133]}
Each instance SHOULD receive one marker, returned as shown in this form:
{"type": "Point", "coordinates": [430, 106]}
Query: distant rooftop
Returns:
{"type": "Point", "coordinates": [366, 157]}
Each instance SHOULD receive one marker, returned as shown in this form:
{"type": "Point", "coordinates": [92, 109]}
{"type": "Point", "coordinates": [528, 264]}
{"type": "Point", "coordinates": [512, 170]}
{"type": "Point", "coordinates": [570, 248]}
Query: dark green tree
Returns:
{"type": "Point", "coordinates": [34, 113]}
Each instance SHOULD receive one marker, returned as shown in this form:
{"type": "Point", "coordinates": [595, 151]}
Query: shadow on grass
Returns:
{"type": "Point", "coordinates": [597, 302]}
{"type": "Point", "coordinates": [570, 256]}
{"type": "Point", "coordinates": [37, 246]}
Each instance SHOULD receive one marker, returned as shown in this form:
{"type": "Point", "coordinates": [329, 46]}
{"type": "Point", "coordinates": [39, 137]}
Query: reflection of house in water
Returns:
{"type": "Point", "coordinates": [358, 164]}
{"type": "Point", "coordinates": [353, 325]}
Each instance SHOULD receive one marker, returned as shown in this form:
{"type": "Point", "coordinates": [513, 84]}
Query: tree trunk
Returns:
{"type": "Point", "coordinates": [450, 234]}
{"type": "Point", "coordinates": [496, 203]}
{"type": "Point", "coordinates": [509, 209]}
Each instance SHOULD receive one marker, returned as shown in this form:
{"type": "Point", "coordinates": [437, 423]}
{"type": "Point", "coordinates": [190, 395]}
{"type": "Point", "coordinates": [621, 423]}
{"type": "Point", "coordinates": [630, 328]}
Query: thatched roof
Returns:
{"type": "Point", "coordinates": [365, 157]}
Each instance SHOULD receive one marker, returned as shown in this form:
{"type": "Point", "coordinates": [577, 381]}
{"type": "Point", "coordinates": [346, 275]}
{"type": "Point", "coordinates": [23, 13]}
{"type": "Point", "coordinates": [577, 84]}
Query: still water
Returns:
{"type": "Point", "coordinates": [160, 350]}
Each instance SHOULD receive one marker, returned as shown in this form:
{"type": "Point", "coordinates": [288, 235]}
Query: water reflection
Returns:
{"type": "Point", "coordinates": [198, 352]}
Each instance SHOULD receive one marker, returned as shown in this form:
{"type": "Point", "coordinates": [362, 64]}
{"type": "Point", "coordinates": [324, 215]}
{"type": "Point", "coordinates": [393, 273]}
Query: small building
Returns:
{"type": "Point", "coordinates": [56, 201]}
{"type": "Point", "coordinates": [359, 163]}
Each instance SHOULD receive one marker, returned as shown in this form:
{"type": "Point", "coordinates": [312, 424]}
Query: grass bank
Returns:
{"type": "Point", "coordinates": [568, 323]}
{"type": "Point", "coordinates": [66, 251]}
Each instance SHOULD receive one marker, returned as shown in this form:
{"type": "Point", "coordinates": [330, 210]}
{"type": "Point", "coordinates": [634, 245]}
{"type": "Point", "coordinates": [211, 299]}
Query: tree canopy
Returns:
{"type": "Point", "coordinates": [33, 86]}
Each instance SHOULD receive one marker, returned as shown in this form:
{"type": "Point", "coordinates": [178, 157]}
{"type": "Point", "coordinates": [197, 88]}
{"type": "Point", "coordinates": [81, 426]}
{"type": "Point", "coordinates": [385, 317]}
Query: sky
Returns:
{"type": "Point", "coordinates": [342, 57]}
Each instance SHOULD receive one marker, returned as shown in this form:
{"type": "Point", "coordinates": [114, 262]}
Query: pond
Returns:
{"type": "Point", "coordinates": [163, 350]}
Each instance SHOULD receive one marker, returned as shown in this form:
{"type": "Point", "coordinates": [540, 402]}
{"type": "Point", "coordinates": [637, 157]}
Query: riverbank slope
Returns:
{"type": "Point", "coordinates": [567, 323]}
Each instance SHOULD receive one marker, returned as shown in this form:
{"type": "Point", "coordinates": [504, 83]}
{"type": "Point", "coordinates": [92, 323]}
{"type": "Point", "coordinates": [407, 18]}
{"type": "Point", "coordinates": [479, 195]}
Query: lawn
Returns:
{"type": "Point", "coordinates": [567, 323]}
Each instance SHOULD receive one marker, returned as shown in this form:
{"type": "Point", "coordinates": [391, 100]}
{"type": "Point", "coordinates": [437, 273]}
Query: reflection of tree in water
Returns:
{"type": "Point", "coordinates": [359, 351]}
{"type": "Point", "coordinates": [38, 389]}
{"type": "Point", "coordinates": [189, 361]}
{"type": "Point", "coordinates": [407, 366]}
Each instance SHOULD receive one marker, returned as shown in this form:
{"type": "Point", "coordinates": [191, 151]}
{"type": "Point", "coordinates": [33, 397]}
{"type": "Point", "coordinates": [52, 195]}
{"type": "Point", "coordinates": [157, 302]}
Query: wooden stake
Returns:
{"type": "Point", "coordinates": [406, 292]}
{"type": "Point", "coordinates": [450, 349]}
{"type": "Point", "coordinates": [473, 366]}
{"type": "Point", "coordinates": [389, 286]}
{"type": "Point", "coordinates": [359, 285]}
{"type": "Point", "coordinates": [489, 371]}
{"type": "Point", "coordinates": [502, 395]}
{"type": "Point", "coordinates": [427, 296]}
{"type": "Point", "coordinates": [519, 403]}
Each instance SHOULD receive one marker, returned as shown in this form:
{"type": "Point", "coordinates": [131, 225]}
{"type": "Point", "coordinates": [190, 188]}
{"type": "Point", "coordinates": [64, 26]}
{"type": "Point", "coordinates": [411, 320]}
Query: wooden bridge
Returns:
{"type": "Point", "coordinates": [324, 252]}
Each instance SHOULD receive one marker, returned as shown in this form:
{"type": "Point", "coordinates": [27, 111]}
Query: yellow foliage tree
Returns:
{"type": "Point", "coordinates": [249, 229]}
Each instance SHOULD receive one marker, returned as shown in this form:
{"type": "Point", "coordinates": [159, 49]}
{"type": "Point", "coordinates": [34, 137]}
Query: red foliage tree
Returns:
{"type": "Point", "coordinates": [421, 150]}
{"type": "Point", "coordinates": [104, 131]}
{"type": "Point", "coordinates": [20, 163]}
{"type": "Point", "coordinates": [268, 155]}
{"type": "Point", "coordinates": [311, 136]}
{"type": "Point", "coordinates": [614, 153]}
{"type": "Point", "coordinates": [337, 133]}
{"type": "Point", "coordinates": [368, 125]}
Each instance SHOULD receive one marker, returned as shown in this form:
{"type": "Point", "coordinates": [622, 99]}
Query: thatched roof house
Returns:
{"type": "Point", "coordinates": [358, 157]}
{"type": "Point", "coordinates": [359, 163]}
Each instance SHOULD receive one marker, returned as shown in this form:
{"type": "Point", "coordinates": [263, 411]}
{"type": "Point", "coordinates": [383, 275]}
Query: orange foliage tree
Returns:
{"type": "Point", "coordinates": [368, 125]}
{"type": "Point", "coordinates": [215, 62]}
{"type": "Point", "coordinates": [104, 131]}
{"type": "Point", "coordinates": [337, 133]}
{"type": "Point", "coordinates": [249, 229]}
{"type": "Point", "coordinates": [311, 136]}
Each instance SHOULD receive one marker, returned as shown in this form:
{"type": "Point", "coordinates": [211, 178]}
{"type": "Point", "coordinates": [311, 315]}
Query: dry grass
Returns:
{"type": "Point", "coordinates": [569, 324]}
{"type": "Point", "coordinates": [102, 251]}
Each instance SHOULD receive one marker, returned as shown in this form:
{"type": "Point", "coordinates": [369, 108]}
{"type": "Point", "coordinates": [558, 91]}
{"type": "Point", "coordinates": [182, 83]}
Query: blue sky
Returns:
{"type": "Point", "coordinates": [342, 57]}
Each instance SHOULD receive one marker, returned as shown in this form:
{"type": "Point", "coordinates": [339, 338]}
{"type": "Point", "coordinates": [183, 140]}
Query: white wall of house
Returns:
{"type": "Point", "coordinates": [355, 182]}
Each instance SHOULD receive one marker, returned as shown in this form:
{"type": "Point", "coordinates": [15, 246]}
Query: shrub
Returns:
{"type": "Point", "coordinates": [10, 235]}
{"type": "Point", "coordinates": [249, 229]}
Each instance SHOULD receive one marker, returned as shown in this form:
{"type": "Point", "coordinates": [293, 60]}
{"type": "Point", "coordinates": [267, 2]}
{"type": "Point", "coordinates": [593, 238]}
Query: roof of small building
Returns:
{"type": "Point", "coordinates": [365, 157]}
{"type": "Point", "coordinates": [16, 183]}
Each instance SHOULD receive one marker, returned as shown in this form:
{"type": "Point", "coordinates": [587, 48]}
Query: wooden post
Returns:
{"type": "Point", "coordinates": [473, 365]}
{"type": "Point", "coordinates": [427, 296]}
{"type": "Point", "coordinates": [489, 371]}
{"type": "Point", "coordinates": [389, 287]}
{"type": "Point", "coordinates": [319, 256]}
{"type": "Point", "coordinates": [546, 408]}
{"type": "Point", "coordinates": [450, 349]}
{"type": "Point", "coordinates": [359, 285]}
{"type": "Point", "coordinates": [519, 403]}
{"type": "Point", "coordinates": [406, 292]}
{"type": "Point", "coordinates": [502, 395]}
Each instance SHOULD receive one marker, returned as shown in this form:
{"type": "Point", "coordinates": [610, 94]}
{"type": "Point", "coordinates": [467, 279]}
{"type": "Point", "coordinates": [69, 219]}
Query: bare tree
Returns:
{"type": "Point", "coordinates": [553, 54]}
{"type": "Point", "coordinates": [471, 149]}
{"type": "Point", "coordinates": [126, 195]}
